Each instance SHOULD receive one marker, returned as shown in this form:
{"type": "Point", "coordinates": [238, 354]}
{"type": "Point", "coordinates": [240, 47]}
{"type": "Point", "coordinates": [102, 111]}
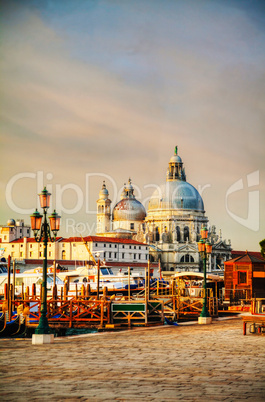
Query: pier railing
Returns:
{"type": "Point", "coordinates": [66, 313]}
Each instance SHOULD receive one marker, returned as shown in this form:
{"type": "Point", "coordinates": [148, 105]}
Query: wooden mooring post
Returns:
{"type": "Point", "coordinates": [8, 287]}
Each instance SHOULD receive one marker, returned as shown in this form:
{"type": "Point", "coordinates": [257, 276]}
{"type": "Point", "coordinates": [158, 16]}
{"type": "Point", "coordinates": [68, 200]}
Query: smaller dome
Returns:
{"type": "Point", "coordinates": [11, 222]}
{"type": "Point", "coordinates": [175, 159]}
{"type": "Point", "coordinates": [129, 209]}
{"type": "Point", "coordinates": [103, 194]}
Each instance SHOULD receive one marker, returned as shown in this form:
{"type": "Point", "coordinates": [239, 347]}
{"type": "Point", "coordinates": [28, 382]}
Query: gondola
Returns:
{"type": "Point", "coordinates": [14, 327]}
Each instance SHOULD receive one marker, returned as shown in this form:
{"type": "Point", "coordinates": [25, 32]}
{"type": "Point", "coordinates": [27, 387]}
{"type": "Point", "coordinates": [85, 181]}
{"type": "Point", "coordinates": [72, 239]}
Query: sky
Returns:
{"type": "Point", "coordinates": [105, 90]}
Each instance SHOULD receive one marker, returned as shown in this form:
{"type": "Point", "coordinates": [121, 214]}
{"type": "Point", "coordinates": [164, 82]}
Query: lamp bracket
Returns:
{"type": "Point", "coordinates": [39, 237]}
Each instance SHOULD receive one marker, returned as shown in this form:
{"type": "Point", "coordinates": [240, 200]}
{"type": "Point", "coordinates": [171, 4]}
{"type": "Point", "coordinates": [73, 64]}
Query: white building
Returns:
{"type": "Point", "coordinates": [114, 252]}
{"type": "Point", "coordinates": [14, 230]}
{"type": "Point", "coordinates": [171, 225]}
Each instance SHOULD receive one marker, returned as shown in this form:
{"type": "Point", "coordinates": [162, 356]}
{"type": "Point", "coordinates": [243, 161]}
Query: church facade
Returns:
{"type": "Point", "coordinates": [171, 225]}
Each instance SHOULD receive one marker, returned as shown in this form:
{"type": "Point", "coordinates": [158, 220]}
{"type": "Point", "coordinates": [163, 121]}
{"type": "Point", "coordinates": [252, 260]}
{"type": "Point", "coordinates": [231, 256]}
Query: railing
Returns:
{"type": "Point", "coordinates": [66, 313]}
{"type": "Point", "coordinates": [134, 312]}
{"type": "Point", "coordinates": [236, 296]}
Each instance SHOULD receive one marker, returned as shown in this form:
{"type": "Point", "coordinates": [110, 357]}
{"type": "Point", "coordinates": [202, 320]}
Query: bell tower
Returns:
{"type": "Point", "coordinates": [103, 211]}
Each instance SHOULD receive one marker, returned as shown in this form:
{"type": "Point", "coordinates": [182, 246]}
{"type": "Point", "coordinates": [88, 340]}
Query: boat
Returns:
{"type": "Point", "coordinates": [28, 278]}
{"type": "Point", "coordinates": [84, 275]}
{"type": "Point", "coordinates": [14, 327]}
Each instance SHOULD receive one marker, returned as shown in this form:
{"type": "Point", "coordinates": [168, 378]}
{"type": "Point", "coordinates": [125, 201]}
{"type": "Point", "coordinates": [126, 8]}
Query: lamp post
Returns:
{"type": "Point", "coordinates": [205, 249]}
{"type": "Point", "coordinates": [42, 232]}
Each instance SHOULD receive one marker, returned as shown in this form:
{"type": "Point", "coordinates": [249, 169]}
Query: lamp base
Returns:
{"type": "Point", "coordinates": [204, 320]}
{"type": "Point", "coordinates": [41, 339]}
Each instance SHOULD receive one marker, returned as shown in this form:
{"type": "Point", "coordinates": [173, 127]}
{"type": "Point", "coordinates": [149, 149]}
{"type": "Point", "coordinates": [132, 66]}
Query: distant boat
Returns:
{"type": "Point", "coordinates": [28, 278]}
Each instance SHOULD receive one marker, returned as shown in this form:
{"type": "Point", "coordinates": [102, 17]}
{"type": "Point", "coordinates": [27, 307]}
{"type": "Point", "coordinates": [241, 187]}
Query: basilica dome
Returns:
{"type": "Point", "coordinates": [129, 209]}
{"type": "Point", "coordinates": [176, 194]}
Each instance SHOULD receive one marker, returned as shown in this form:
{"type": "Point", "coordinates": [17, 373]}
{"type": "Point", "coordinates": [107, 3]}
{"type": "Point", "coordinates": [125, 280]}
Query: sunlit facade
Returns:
{"type": "Point", "coordinates": [171, 225]}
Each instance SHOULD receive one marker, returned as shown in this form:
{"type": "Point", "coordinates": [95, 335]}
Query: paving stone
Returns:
{"type": "Point", "coordinates": [194, 363]}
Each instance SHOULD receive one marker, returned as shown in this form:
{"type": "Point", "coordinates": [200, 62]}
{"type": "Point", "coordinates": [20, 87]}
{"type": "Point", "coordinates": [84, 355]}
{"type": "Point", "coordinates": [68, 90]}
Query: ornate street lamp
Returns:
{"type": "Point", "coordinates": [42, 232]}
{"type": "Point", "coordinates": [205, 249]}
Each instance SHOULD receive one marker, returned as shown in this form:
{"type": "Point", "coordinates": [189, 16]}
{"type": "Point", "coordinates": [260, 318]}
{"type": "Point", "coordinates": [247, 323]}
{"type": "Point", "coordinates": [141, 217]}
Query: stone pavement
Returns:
{"type": "Point", "coordinates": [183, 363]}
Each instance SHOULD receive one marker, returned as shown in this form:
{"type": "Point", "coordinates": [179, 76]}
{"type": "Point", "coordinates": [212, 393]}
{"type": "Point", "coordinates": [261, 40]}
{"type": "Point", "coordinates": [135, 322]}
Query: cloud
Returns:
{"type": "Point", "coordinates": [99, 90]}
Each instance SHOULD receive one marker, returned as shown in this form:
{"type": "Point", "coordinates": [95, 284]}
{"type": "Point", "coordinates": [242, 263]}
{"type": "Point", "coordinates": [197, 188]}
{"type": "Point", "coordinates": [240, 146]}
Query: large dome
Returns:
{"type": "Point", "coordinates": [176, 194]}
{"type": "Point", "coordinates": [129, 209]}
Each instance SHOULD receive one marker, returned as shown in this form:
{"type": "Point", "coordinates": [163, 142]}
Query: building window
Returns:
{"type": "Point", "coordinates": [130, 246]}
{"type": "Point", "coordinates": [139, 247]}
{"type": "Point", "coordinates": [104, 244]}
{"type": "Point", "coordinates": [178, 233]}
{"type": "Point", "coordinates": [139, 256]}
{"type": "Point", "coordinates": [242, 277]}
{"type": "Point", "coordinates": [110, 245]}
{"type": "Point", "coordinates": [50, 253]}
{"type": "Point", "coordinates": [30, 246]}
{"type": "Point", "coordinates": [30, 254]}
{"type": "Point", "coordinates": [63, 254]}
{"type": "Point", "coordinates": [186, 233]}
{"type": "Point", "coordinates": [122, 256]}
{"type": "Point", "coordinates": [134, 247]}
{"type": "Point", "coordinates": [187, 258]}
{"type": "Point", "coordinates": [40, 254]}
{"type": "Point", "coordinates": [104, 254]}
{"type": "Point", "coordinates": [96, 244]}
{"type": "Point", "coordinates": [115, 255]}
{"type": "Point", "coordinates": [123, 246]}
{"type": "Point", "coordinates": [13, 245]}
{"type": "Point", "coordinates": [146, 257]}
{"type": "Point", "coordinates": [132, 226]}
{"type": "Point", "coordinates": [115, 246]}
{"type": "Point", "coordinates": [134, 256]}
{"type": "Point", "coordinates": [21, 253]}
{"type": "Point", "coordinates": [109, 255]}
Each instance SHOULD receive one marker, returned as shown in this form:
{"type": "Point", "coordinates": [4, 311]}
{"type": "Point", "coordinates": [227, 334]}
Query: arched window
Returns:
{"type": "Point", "coordinates": [63, 254]}
{"type": "Point", "coordinates": [178, 233]}
{"type": "Point", "coordinates": [186, 233]}
{"type": "Point", "coordinates": [187, 258]}
{"type": "Point", "coordinates": [157, 236]}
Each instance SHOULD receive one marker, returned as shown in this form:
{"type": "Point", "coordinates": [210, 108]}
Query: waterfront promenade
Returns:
{"type": "Point", "coordinates": [183, 363]}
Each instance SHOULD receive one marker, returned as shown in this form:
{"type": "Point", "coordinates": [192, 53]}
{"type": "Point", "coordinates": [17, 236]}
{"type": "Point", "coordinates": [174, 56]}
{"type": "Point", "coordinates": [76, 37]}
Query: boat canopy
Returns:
{"type": "Point", "coordinates": [193, 276]}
